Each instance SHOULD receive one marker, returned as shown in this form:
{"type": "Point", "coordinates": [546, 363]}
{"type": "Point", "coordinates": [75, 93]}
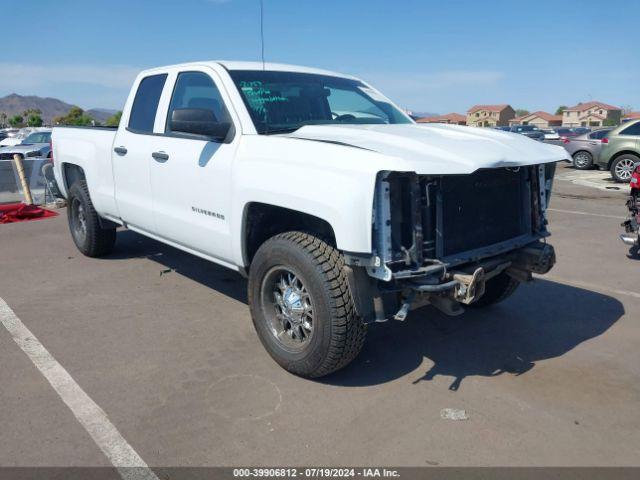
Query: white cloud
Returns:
{"type": "Point", "coordinates": [435, 80]}
{"type": "Point", "coordinates": [436, 91]}
{"type": "Point", "coordinates": [19, 76]}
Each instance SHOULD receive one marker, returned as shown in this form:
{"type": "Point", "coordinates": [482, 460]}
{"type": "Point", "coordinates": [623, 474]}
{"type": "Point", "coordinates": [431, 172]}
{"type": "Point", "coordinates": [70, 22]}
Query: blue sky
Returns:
{"type": "Point", "coordinates": [434, 56]}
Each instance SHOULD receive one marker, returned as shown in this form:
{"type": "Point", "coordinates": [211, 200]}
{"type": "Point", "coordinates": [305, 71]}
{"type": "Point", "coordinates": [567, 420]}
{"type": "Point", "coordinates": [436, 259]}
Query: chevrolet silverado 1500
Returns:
{"type": "Point", "coordinates": [336, 205]}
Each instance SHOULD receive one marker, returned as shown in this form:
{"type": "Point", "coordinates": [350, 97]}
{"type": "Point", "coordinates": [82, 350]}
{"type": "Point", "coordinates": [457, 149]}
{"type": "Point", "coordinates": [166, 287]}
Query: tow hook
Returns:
{"type": "Point", "coordinates": [471, 287]}
{"type": "Point", "coordinates": [406, 306]}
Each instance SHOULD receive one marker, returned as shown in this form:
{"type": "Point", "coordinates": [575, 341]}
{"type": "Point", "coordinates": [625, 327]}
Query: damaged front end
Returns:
{"type": "Point", "coordinates": [439, 239]}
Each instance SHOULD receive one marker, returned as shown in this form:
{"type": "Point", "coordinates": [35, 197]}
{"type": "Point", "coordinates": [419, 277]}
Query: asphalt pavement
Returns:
{"type": "Point", "coordinates": [162, 344]}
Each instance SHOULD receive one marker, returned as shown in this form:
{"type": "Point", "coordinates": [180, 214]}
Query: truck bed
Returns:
{"type": "Point", "coordinates": [90, 148]}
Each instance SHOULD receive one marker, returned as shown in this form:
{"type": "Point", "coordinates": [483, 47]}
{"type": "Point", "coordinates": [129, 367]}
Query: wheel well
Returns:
{"type": "Point", "coordinates": [619, 154]}
{"type": "Point", "coordinates": [72, 173]}
{"type": "Point", "coordinates": [263, 221]}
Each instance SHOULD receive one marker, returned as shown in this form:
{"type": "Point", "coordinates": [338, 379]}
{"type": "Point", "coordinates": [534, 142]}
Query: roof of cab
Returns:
{"type": "Point", "coordinates": [274, 67]}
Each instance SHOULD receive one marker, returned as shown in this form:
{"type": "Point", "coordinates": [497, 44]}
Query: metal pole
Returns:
{"type": "Point", "coordinates": [17, 159]}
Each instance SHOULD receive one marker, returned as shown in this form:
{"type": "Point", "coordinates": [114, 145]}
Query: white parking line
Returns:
{"type": "Point", "coordinates": [586, 213]}
{"type": "Point", "coordinates": [590, 286]}
{"type": "Point", "coordinates": [89, 414]}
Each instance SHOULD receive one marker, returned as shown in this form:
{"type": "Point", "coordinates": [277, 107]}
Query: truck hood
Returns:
{"type": "Point", "coordinates": [438, 149]}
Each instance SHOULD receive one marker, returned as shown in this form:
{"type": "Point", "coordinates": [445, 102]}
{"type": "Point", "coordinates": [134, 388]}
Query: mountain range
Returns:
{"type": "Point", "coordinates": [15, 104]}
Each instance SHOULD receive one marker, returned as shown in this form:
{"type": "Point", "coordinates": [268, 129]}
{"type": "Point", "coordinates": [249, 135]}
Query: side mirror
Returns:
{"type": "Point", "coordinates": [198, 121]}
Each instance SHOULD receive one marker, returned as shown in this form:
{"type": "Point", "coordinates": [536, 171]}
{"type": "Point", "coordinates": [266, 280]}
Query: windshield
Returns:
{"type": "Point", "coordinates": [38, 137]}
{"type": "Point", "coordinates": [281, 102]}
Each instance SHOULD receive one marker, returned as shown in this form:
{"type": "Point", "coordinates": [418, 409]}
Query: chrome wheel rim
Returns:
{"type": "Point", "coordinates": [582, 159]}
{"type": "Point", "coordinates": [288, 308]}
{"type": "Point", "coordinates": [624, 168]}
{"type": "Point", "coordinates": [79, 220]}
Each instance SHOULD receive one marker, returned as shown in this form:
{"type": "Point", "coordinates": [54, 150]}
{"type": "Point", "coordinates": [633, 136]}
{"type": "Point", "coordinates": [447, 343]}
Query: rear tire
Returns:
{"type": "Point", "coordinates": [301, 305]}
{"type": "Point", "coordinates": [622, 167]}
{"type": "Point", "coordinates": [90, 238]}
{"type": "Point", "coordinates": [496, 290]}
{"type": "Point", "coordinates": [583, 160]}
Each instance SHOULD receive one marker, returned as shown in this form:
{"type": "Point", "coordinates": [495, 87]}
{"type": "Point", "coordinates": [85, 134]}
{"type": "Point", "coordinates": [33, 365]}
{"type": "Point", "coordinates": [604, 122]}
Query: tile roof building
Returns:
{"type": "Point", "coordinates": [591, 114]}
{"type": "Point", "coordinates": [450, 118]}
{"type": "Point", "coordinates": [490, 115]}
{"type": "Point", "coordinates": [540, 119]}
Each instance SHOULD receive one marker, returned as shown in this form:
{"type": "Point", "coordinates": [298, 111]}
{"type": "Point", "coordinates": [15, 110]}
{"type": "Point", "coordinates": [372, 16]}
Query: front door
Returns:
{"type": "Point", "coordinates": [191, 175]}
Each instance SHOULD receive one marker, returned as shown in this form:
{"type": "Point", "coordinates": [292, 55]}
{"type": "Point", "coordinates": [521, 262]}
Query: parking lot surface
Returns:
{"type": "Point", "coordinates": [163, 343]}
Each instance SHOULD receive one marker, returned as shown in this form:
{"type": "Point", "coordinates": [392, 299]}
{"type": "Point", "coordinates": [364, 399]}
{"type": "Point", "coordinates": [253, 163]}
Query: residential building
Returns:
{"type": "Point", "coordinates": [450, 118]}
{"type": "Point", "coordinates": [490, 115]}
{"type": "Point", "coordinates": [591, 114]}
{"type": "Point", "coordinates": [539, 119]}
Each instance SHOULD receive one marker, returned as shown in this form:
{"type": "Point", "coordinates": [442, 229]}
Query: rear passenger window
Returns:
{"type": "Point", "coordinates": [197, 90]}
{"type": "Point", "coordinates": [145, 105]}
{"type": "Point", "coordinates": [632, 130]}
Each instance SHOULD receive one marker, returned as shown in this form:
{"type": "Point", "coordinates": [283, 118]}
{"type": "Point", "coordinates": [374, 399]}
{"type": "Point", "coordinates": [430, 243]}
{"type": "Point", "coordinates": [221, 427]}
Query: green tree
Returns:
{"type": "Point", "coordinates": [561, 109]}
{"type": "Point", "coordinates": [114, 120]}
{"type": "Point", "coordinates": [3, 119]}
{"type": "Point", "coordinates": [34, 120]}
{"type": "Point", "coordinates": [521, 111]}
{"type": "Point", "coordinates": [16, 121]}
{"type": "Point", "coordinates": [609, 123]}
{"type": "Point", "coordinates": [75, 116]}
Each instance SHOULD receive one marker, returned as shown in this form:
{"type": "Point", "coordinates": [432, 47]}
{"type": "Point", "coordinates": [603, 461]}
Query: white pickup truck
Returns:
{"type": "Point", "coordinates": [336, 205]}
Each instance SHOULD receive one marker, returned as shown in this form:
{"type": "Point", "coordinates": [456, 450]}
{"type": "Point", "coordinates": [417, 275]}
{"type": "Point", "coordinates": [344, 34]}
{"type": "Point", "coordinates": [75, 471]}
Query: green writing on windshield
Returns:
{"type": "Point", "coordinates": [258, 95]}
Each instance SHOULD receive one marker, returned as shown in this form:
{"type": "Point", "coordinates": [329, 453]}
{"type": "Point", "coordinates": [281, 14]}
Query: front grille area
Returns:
{"type": "Point", "coordinates": [482, 209]}
{"type": "Point", "coordinates": [456, 218]}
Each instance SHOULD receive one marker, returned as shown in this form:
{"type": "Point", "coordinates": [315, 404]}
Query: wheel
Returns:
{"type": "Point", "coordinates": [301, 305]}
{"type": "Point", "coordinates": [90, 238]}
{"type": "Point", "coordinates": [496, 290]}
{"type": "Point", "coordinates": [582, 160]}
{"type": "Point", "coordinates": [622, 167]}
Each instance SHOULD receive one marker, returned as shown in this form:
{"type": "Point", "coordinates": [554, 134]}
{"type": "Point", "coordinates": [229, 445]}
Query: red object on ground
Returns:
{"type": "Point", "coordinates": [635, 178]}
{"type": "Point", "coordinates": [19, 212]}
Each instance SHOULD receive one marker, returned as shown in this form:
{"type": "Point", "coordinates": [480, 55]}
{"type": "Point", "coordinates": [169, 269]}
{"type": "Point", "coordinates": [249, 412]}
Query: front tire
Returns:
{"type": "Point", "coordinates": [301, 305]}
{"type": "Point", "coordinates": [496, 290]}
{"type": "Point", "coordinates": [90, 238]}
{"type": "Point", "coordinates": [622, 167]}
{"type": "Point", "coordinates": [583, 160]}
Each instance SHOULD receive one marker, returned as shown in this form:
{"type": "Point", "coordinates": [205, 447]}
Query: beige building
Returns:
{"type": "Point", "coordinates": [490, 115]}
{"type": "Point", "coordinates": [539, 119]}
{"type": "Point", "coordinates": [591, 114]}
{"type": "Point", "coordinates": [449, 118]}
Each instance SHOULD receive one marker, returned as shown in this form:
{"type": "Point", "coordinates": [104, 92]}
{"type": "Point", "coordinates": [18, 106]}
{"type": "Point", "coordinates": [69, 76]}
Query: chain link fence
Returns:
{"type": "Point", "coordinates": [10, 185]}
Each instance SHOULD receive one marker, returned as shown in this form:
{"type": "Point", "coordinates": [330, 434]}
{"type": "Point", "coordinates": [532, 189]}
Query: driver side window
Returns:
{"type": "Point", "coordinates": [196, 90]}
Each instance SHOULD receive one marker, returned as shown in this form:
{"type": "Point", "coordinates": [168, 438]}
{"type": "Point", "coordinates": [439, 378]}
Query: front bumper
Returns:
{"type": "Point", "coordinates": [444, 286]}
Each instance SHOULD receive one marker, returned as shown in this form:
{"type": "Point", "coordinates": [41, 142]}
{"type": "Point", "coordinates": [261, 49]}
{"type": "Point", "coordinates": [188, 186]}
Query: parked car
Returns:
{"type": "Point", "coordinates": [503, 128]}
{"type": "Point", "coordinates": [12, 137]}
{"type": "Point", "coordinates": [338, 219]}
{"type": "Point", "coordinates": [530, 131]}
{"type": "Point", "coordinates": [620, 151]}
{"type": "Point", "coordinates": [566, 132]}
{"type": "Point", "coordinates": [550, 134]}
{"type": "Point", "coordinates": [585, 148]}
{"type": "Point", "coordinates": [36, 144]}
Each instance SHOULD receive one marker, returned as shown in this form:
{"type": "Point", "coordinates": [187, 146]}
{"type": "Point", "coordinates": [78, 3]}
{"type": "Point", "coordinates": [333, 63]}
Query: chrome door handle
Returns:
{"type": "Point", "coordinates": [160, 156]}
{"type": "Point", "coordinates": [120, 150]}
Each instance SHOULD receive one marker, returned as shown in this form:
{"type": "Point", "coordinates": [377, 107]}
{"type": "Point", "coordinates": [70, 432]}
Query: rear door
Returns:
{"type": "Point", "coordinates": [190, 174]}
{"type": "Point", "coordinates": [132, 148]}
